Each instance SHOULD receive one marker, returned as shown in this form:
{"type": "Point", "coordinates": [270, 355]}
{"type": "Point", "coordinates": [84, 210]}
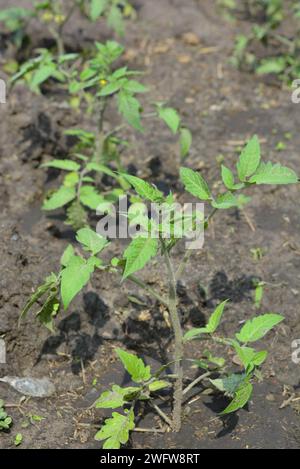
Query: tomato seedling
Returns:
{"type": "Point", "coordinates": [159, 240]}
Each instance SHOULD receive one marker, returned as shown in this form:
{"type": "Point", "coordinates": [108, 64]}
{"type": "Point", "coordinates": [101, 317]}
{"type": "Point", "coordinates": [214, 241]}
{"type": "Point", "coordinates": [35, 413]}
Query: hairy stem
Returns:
{"type": "Point", "coordinates": [148, 289]}
{"type": "Point", "coordinates": [102, 103]}
{"type": "Point", "coordinates": [178, 352]}
{"type": "Point", "coordinates": [195, 382]}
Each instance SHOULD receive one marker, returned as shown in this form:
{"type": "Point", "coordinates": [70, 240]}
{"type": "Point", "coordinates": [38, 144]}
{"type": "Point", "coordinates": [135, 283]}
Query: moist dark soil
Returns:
{"type": "Point", "coordinates": [223, 107]}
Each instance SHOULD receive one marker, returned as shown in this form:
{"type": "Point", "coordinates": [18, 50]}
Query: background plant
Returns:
{"type": "Point", "coordinates": [76, 270]}
{"type": "Point", "coordinates": [55, 15]}
{"type": "Point", "coordinates": [281, 52]}
{"type": "Point", "coordinates": [95, 83]}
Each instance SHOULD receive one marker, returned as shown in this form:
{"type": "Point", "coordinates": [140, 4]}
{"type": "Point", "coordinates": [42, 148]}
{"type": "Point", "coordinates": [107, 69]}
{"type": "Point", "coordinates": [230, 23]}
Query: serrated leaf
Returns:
{"type": "Point", "coordinates": [240, 399]}
{"type": "Point", "coordinates": [195, 184]}
{"type": "Point", "coordinates": [249, 159]}
{"type": "Point", "coordinates": [110, 88]}
{"type": "Point", "coordinates": [115, 398]}
{"type": "Point", "coordinates": [230, 384]}
{"type": "Point", "coordinates": [61, 197]}
{"type": "Point", "coordinates": [267, 173]}
{"type": "Point", "coordinates": [129, 107]}
{"type": "Point", "coordinates": [225, 201]}
{"type": "Point", "coordinates": [48, 311]}
{"type": "Point", "coordinates": [171, 117]}
{"type": "Point", "coordinates": [90, 197]}
{"type": "Point", "coordinates": [116, 430]}
{"type": "Point", "coordinates": [185, 141]}
{"type": "Point", "coordinates": [50, 282]}
{"type": "Point", "coordinates": [91, 240]}
{"type": "Point", "coordinates": [76, 215]}
{"type": "Point", "coordinates": [67, 165]}
{"type": "Point", "coordinates": [133, 86]}
{"type": "Point", "coordinates": [73, 278]}
{"type": "Point", "coordinates": [138, 253]}
{"type": "Point", "coordinates": [256, 328]}
{"type": "Point", "coordinates": [135, 366]}
{"type": "Point", "coordinates": [144, 189]}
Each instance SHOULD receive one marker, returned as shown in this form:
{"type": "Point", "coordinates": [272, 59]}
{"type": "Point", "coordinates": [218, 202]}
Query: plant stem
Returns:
{"type": "Point", "coordinates": [188, 254]}
{"type": "Point", "coordinates": [195, 382]}
{"type": "Point", "coordinates": [178, 333]}
{"type": "Point", "coordinates": [162, 414]}
{"type": "Point", "coordinates": [101, 136]}
{"type": "Point", "coordinates": [145, 287]}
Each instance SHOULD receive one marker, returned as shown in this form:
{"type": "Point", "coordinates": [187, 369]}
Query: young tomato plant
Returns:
{"type": "Point", "coordinates": [284, 61]}
{"type": "Point", "coordinates": [55, 15]}
{"type": "Point", "coordinates": [160, 239]}
{"type": "Point", "coordinates": [97, 84]}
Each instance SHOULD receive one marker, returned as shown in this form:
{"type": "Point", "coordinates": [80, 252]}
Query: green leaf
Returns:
{"type": "Point", "coordinates": [230, 384]}
{"type": "Point", "coordinates": [61, 197]}
{"type": "Point", "coordinates": [171, 117]}
{"type": "Point", "coordinates": [227, 177]}
{"type": "Point", "coordinates": [211, 326]}
{"type": "Point", "coordinates": [73, 278]}
{"type": "Point", "coordinates": [256, 328]}
{"type": "Point", "coordinates": [158, 385]}
{"type": "Point", "coordinates": [100, 168]}
{"type": "Point", "coordinates": [67, 255]}
{"type": "Point", "coordinates": [249, 159]}
{"type": "Point", "coordinates": [186, 141]}
{"type": "Point", "coordinates": [48, 311]}
{"type": "Point", "coordinates": [116, 430]}
{"type": "Point", "coordinates": [92, 241]}
{"type": "Point", "coordinates": [41, 75]}
{"type": "Point", "coordinates": [90, 197]}
{"type": "Point", "coordinates": [129, 107]}
{"type": "Point", "coordinates": [144, 189]}
{"type": "Point", "coordinates": [50, 282]}
{"type": "Point", "coordinates": [241, 398]}
{"type": "Point", "coordinates": [67, 165]}
{"type": "Point", "coordinates": [110, 88]}
{"type": "Point", "coordinates": [215, 318]}
{"type": "Point", "coordinates": [193, 333]}
{"type": "Point", "coordinates": [138, 253]}
{"type": "Point", "coordinates": [267, 173]}
{"type": "Point", "coordinates": [115, 398]}
{"type": "Point", "coordinates": [249, 356]}
{"type": "Point", "coordinates": [135, 366]}
{"type": "Point", "coordinates": [97, 8]}
{"type": "Point", "coordinates": [133, 86]}
{"type": "Point", "coordinates": [195, 184]}
{"type": "Point", "coordinates": [115, 20]}
{"type": "Point", "coordinates": [274, 65]}
{"type": "Point", "coordinates": [225, 201]}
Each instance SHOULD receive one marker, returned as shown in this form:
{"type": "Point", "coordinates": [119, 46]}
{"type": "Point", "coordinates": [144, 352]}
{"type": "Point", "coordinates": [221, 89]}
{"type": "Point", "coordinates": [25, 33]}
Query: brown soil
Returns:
{"type": "Point", "coordinates": [223, 107]}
